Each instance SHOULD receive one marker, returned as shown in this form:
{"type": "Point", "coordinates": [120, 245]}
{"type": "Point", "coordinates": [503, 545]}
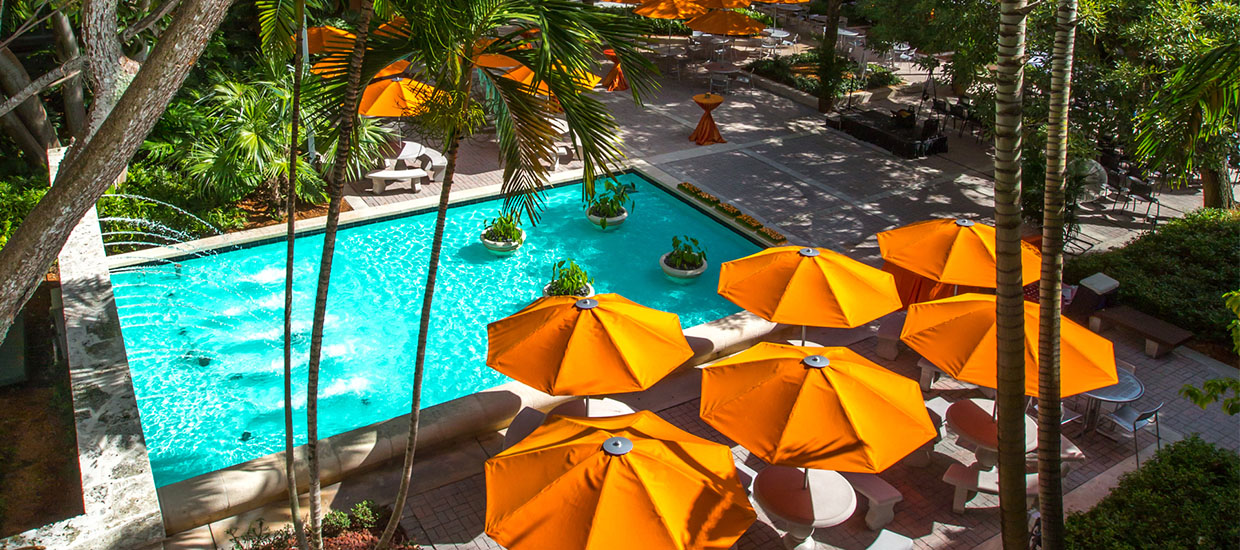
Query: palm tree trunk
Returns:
{"type": "Point", "coordinates": [336, 191]}
{"type": "Point", "coordinates": [1050, 488]}
{"type": "Point", "coordinates": [290, 211]}
{"type": "Point", "coordinates": [1216, 189]}
{"type": "Point", "coordinates": [428, 296]}
{"type": "Point", "coordinates": [828, 71]}
{"type": "Point", "coordinates": [1050, 474]}
{"type": "Point", "coordinates": [1009, 314]}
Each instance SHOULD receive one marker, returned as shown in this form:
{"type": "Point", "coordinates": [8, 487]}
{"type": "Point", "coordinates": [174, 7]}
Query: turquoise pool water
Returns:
{"type": "Point", "coordinates": [204, 339]}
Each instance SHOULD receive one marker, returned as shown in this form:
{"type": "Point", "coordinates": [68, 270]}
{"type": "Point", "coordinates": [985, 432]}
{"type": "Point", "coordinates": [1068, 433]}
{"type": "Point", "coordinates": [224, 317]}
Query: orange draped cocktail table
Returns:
{"type": "Point", "coordinates": [707, 132]}
{"type": "Point", "coordinates": [614, 81]}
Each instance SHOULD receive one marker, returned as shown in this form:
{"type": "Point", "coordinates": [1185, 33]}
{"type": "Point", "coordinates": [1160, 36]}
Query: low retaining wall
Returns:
{"type": "Point", "coordinates": [806, 99]}
{"type": "Point", "coordinates": [231, 491]}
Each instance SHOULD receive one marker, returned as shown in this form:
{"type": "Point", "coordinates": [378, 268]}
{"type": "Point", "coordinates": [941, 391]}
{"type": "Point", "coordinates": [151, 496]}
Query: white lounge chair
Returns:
{"type": "Point", "coordinates": [429, 159]}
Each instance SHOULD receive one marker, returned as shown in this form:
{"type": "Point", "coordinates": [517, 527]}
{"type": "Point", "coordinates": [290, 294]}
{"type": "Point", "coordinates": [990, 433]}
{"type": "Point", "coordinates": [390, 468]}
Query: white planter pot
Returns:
{"type": "Point", "coordinates": [680, 275]}
{"type": "Point", "coordinates": [501, 248]}
{"type": "Point", "coordinates": [589, 290]}
{"type": "Point", "coordinates": [612, 223]}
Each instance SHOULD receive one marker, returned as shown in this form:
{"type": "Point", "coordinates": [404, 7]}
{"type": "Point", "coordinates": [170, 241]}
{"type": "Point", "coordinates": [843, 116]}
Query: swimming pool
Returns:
{"type": "Point", "coordinates": [205, 339]}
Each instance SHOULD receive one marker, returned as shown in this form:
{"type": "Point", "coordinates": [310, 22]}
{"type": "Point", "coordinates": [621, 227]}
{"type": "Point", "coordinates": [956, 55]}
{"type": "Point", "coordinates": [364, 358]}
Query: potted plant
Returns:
{"type": "Point", "coordinates": [686, 261]}
{"type": "Point", "coordinates": [503, 235]}
{"type": "Point", "coordinates": [568, 279]}
{"type": "Point", "coordinates": [609, 208]}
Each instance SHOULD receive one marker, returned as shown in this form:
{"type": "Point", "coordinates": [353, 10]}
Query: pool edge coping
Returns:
{"type": "Point", "coordinates": [276, 232]}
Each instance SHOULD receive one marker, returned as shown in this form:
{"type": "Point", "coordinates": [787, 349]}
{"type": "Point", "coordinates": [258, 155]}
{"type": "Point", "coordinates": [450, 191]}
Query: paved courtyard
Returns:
{"type": "Point", "coordinates": [784, 166]}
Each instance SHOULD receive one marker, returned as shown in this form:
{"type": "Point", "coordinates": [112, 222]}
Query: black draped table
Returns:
{"type": "Point", "coordinates": [880, 128]}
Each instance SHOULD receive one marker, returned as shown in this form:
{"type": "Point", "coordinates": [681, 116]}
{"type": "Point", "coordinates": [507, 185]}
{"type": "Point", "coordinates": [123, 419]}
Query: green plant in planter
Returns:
{"type": "Point", "coordinates": [687, 254]}
{"type": "Point", "coordinates": [505, 228]}
{"type": "Point", "coordinates": [568, 279]}
{"type": "Point", "coordinates": [611, 202]}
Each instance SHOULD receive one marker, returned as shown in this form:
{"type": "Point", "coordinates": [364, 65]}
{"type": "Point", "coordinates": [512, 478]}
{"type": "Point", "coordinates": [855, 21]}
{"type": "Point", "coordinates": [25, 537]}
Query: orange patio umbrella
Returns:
{"type": "Point", "coordinates": [957, 334]}
{"type": "Point", "coordinates": [670, 9]}
{"type": "Point", "coordinates": [618, 482]}
{"type": "Point", "coordinates": [811, 407]}
{"type": "Point", "coordinates": [726, 22]}
{"type": "Point", "coordinates": [565, 345]}
{"type": "Point", "coordinates": [955, 252]}
{"type": "Point", "coordinates": [525, 75]}
{"type": "Point", "coordinates": [808, 286]}
{"type": "Point", "coordinates": [329, 68]}
{"type": "Point", "coordinates": [395, 97]}
{"type": "Point", "coordinates": [321, 39]}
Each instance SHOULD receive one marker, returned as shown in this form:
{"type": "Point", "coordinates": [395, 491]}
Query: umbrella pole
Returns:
{"type": "Point", "coordinates": [806, 472]}
{"type": "Point", "coordinates": [802, 335]}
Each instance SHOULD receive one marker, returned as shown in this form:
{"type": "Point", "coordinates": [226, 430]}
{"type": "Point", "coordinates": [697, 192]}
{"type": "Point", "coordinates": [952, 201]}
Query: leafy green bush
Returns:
{"type": "Point", "coordinates": [1188, 496]}
{"type": "Point", "coordinates": [1176, 272]}
{"type": "Point", "coordinates": [687, 254]}
{"type": "Point", "coordinates": [612, 202]}
{"type": "Point", "coordinates": [18, 195]}
{"type": "Point", "coordinates": [335, 522]}
{"type": "Point", "coordinates": [365, 515]}
{"type": "Point", "coordinates": [781, 70]}
{"type": "Point", "coordinates": [757, 16]}
{"type": "Point", "coordinates": [568, 279]}
{"type": "Point", "coordinates": [161, 182]}
{"type": "Point", "coordinates": [504, 228]}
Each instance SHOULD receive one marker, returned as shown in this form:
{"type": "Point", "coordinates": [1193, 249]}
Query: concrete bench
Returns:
{"type": "Point", "coordinates": [887, 345]}
{"type": "Point", "coordinates": [973, 479]}
{"type": "Point", "coordinates": [882, 496]}
{"type": "Point", "coordinates": [890, 540]}
{"type": "Point", "coordinates": [380, 178]}
{"type": "Point", "coordinates": [1160, 336]}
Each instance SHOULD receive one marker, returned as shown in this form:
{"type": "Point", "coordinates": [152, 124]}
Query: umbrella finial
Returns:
{"type": "Point", "coordinates": [816, 361]}
{"type": "Point", "coordinates": [586, 303]}
{"type": "Point", "coordinates": [962, 222]}
{"type": "Point", "coordinates": [808, 252]}
{"type": "Point", "coordinates": [617, 446]}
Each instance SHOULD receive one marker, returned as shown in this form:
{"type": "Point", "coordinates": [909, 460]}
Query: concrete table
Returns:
{"type": "Point", "coordinates": [380, 178]}
{"type": "Point", "coordinates": [828, 501]}
{"type": "Point", "coordinates": [973, 421]}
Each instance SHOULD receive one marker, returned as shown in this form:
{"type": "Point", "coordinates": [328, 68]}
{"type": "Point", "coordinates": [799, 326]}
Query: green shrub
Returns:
{"type": "Point", "coordinates": [1188, 496]}
{"type": "Point", "coordinates": [335, 522]}
{"type": "Point", "coordinates": [504, 228]}
{"type": "Point", "coordinates": [18, 195]}
{"type": "Point", "coordinates": [568, 279]}
{"type": "Point", "coordinates": [260, 537]}
{"type": "Point", "coordinates": [365, 515]}
{"type": "Point", "coordinates": [1177, 272]}
{"type": "Point", "coordinates": [687, 254]}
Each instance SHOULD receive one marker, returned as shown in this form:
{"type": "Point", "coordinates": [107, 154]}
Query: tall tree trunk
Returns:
{"type": "Point", "coordinates": [1009, 314]}
{"type": "Point", "coordinates": [428, 297]}
{"type": "Point", "coordinates": [71, 88]}
{"type": "Point", "coordinates": [348, 120]}
{"type": "Point", "coordinates": [87, 174]}
{"type": "Point", "coordinates": [1216, 189]}
{"type": "Point", "coordinates": [1050, 474]}
{"type": "Point", "coordinates": [290, 212]}
{"type": "Point", "coordinates": [828, 71]}
{"type": "Point", "coordinates": [14, 79]}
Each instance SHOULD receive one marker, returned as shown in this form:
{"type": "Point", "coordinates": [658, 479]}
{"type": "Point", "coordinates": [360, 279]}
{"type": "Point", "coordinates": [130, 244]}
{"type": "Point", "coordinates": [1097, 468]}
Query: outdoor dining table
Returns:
{"type": "Point", "coordinates": [614, 81]}
{"type": "Point", "coordinates": [973, 420]}
{"type": "Point", "coordinates": [1128, 389]}
{"type": "Point", "coordinates": [722, 68]}
{"type": "Point", "coordinates": [775, 33]}
{"type": "Point", "coordinates": [707, 132]}
{"type": "Point", "coordinates": [805, 500]}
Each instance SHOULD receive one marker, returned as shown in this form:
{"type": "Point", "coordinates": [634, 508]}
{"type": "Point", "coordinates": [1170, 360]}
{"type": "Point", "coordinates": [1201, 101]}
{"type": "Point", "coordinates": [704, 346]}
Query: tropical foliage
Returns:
{"type": "Point", "coordinates": [568, 279]}
{"type": "Point", "coordinates": [1176, 272]}
{"type": "Point", "coordinates": [612, 202]}
{"type": "Point", "coordinates": [687, 253]}
{"type": "Point", "coordinates": [1194, 482]}
{"type": "Point", "coordinates": [505, 227]}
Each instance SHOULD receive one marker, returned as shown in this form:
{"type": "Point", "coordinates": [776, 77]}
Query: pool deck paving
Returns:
{"type": "Point", "coordinates": [818, 186]}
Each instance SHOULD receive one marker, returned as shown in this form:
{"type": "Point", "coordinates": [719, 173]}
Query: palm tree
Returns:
{"type": "Point", "coordinates": [558, 40]}
{"type": "Point", "coordinates": [347, 126]}
{"type": "Point", "coordinates": [277, 30]}
{"type": "Point", "coordinates": [829, 70]}
{"type": "Point", "coordinates": [1050, 475]}
{"type": "Point", "coordinates": [1191, 124]}
{"type": "Point", "coordinates": [1009, 314]}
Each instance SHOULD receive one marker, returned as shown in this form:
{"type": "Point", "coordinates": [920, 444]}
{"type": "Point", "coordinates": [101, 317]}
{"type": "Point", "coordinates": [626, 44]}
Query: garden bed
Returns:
{"type": "Point", "coordinates": [1177, 273]}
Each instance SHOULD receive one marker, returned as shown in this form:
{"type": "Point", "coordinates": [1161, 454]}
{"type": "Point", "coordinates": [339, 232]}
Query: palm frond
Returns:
{"type": "Point", "coordinates": [277, 26]}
